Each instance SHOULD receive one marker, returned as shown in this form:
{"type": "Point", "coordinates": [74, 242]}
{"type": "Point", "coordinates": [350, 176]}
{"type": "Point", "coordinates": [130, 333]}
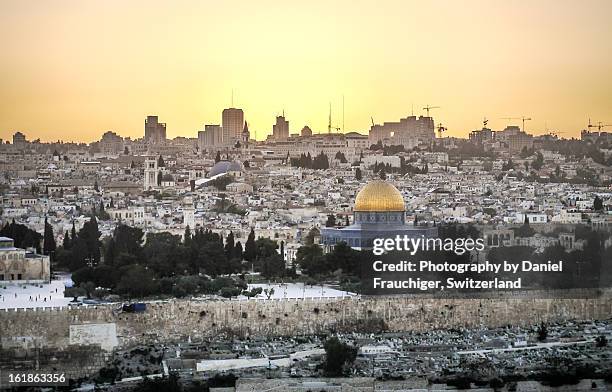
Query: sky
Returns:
{"type": "Point", "coordinates": [72, 70]}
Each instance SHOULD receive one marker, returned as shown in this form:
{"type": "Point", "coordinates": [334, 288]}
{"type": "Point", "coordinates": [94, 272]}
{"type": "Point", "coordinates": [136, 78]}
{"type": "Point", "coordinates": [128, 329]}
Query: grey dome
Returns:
{"type": "Point", "coordinates": [224, 167]}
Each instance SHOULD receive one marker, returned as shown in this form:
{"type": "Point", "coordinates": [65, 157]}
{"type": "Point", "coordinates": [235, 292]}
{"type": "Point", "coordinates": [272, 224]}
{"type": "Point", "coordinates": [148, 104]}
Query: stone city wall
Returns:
{"type": "Point", "coordinates": [177, 320]}
{"type": "Point", "coordinates": [74, 362]}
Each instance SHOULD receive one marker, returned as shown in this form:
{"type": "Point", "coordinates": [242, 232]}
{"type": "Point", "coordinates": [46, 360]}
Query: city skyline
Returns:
{"type": "Point", "coordinates": [70, 79]}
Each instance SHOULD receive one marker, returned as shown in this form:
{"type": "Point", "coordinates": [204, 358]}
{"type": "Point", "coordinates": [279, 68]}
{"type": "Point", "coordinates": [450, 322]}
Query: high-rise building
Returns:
{"type": "Point", "coordinates": [111, 143]}
{"type": "Point", "coordinates": [482, 135]}
{"type": "Point", "coordinates": [408, 131]}
{"type": "Point", "coordinates": [280, 130]}
{"type": "Point", "coordinates": [232, 122]}
{"type": "Point", "coordinates": [306, 131]}
{"type": "Point", "coordinates": [19, 139]}
{"type": "Point", "coordinates": [155, 132]}
{"type": "Point", "coordinates": [212, 135]}
{"type": "Point", "coordinates": [520, 140]}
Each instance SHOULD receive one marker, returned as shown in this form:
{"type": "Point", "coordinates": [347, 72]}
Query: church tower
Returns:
{"type": "Point", "coordinates": [246, 135]}
{"type": "Point", "coordinates": [150, 174]}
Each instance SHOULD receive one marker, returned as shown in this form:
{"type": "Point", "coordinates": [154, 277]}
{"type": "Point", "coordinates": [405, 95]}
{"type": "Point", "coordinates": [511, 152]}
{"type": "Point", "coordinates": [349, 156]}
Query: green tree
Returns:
{"type": "Point", "coordinates": [250, 248]}
{"type": "Point", "coordinates": [273, 266]}
{"type": "Point", "coordinates": [162, 252]}
{"type": "Point", "coordinates": [88, 287]}
{"type": "Point", "coordinates": [344, 258]}
{"type": "Point", "coordinates": [229, 292]}
{"type": "Point", "coordinates": [254, 292]}
{"type": "Point", "coordinates": [187, 236]}
{"type": "Point", "coordinates": [229, 245]}
{"type": "Point", "coordinates": [102, 214]}
{"type": "Point", "coordinates": [66, 240]}
{"type": "Point", "coordinates": [79, 255]}
{"type": "Point", "coordinates": [338, 357]}
{"type": "Point", "coordinates": [310, 259]}
{"type": "Point", "coordinates": [136, 281]}
{"type": "Point", "coordinates": [601, 341]}
{"type": "Point", "coordinates": [23, 237]}
{"type": "Point", "coordinates": [90, 235]}
{"type": "Point", "coordinates": [525, 230]}
{"type": "Point", "coordinates": [382, 174]}
{"type": "Point", "coordinates": [110, 252]}
{"type": "Point", "coordinates": [238, 251]}
{"type": "Point", "coordinates": [73, 234]}
{"type": "Point", "coordinates": [542, 332]}
{"type": "Point", "coordinates": [331, 221]}
{"type": "Point", "coordinates": [128, 240]}
{"type": "Point", "coordinates": [598, 203]}
{"type": "Point", "coordinates": [49, 244]}
{"type": "Point", "coordinates": [265, 248]}
{"type": "Point", "coordinates": [538, 162]}
{"type": "Point", "coordinates": [509, 165]}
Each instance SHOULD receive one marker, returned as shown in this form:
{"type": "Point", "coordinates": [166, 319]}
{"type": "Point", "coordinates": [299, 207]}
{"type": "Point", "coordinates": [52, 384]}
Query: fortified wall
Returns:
{"type": "Point", "coordinates": [178, 320]}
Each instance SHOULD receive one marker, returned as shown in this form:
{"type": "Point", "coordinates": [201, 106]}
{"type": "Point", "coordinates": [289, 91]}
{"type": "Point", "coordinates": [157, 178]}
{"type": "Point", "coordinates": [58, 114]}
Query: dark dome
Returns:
{"type": "Point", "coordinates": [224, 167]}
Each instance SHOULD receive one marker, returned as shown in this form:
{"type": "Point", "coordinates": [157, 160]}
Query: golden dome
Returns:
{"type": "Point", "coordinates": [379, 196]}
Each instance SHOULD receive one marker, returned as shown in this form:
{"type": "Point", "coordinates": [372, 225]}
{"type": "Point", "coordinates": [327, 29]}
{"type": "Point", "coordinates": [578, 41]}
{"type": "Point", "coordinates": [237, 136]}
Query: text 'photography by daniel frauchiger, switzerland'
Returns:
{"type": "Point", "coordinates": [305, 196]}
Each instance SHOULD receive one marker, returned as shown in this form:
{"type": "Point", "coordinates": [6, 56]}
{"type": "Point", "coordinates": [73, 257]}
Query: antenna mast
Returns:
{"type": "Point", "coordinates": [329, 121]}
{"type": "Point", "coordinates": [342, 113]}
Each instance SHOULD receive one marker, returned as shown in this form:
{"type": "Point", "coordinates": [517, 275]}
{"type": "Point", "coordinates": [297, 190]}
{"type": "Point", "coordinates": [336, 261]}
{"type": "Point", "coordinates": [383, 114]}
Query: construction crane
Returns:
{"type": "Point", "coordinates": [523, 119]}
{"type": "Point", "coordinates": [598, 126]}
{"type": "Point", "coordinates": [428, 108]}
{"type": "Point", "coordinates": [441, 129]}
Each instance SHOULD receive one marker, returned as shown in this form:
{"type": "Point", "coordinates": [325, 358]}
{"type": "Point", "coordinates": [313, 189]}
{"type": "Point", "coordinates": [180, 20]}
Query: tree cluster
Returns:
{"type": "Point", "coordinates": [81, 249]}
{"type": "Point", "coordinates": [163, 263]}
{"type": "Point", "coordinates": [23, 237]}
{"type": "Point", "coordinates": [319, 162]}
{"type": "Point", "coordinates": [342, 259]}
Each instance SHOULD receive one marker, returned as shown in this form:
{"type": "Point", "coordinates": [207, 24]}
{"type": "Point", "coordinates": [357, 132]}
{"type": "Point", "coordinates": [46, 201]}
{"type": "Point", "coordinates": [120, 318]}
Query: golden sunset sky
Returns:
{"type": "Point", "coordinates": [73, 69]}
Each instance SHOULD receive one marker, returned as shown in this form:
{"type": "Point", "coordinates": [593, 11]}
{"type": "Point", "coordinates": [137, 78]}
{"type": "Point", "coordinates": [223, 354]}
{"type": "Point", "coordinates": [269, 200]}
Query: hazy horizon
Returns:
{"type": "Point", "coordinates": [72, 70]}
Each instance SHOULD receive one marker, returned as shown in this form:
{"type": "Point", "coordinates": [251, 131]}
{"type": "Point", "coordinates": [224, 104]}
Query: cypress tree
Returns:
{"type": "Point", "coordinates": [229, 245]}
{"type": "Point", "coordinates": [109, 254]}
{"type": "Point", "coordinates": [66, 242]}
{"type": "Point", "coordinates": [250, 248]}
{"type": "Point", "coordinates": [187, 237]}
{"type": "Point", "coordinates": [73, 235]}
{"type": "Point", "coordinates": [238, 251]}
{"type": "Point", "coordinates": [49, 244]}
